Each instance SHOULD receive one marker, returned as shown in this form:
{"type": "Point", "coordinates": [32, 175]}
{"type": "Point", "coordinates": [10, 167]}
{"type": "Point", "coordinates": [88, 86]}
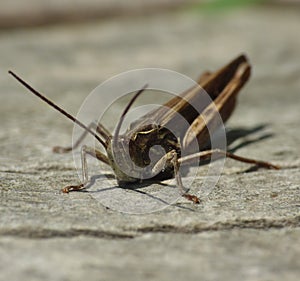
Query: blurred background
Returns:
{"type": "Point", "coordinates": [38, 12]}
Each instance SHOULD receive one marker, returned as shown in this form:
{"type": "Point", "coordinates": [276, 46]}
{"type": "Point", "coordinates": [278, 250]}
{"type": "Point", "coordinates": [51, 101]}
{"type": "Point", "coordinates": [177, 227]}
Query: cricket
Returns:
{"type": "Point", "coordinates": [140, 137]}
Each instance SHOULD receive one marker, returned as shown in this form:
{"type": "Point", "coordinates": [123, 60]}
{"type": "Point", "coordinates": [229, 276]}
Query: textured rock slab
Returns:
{"type": "Point", "coordinates": [230, 255]}
{"type": "Point", "coordinates": [248, 213]}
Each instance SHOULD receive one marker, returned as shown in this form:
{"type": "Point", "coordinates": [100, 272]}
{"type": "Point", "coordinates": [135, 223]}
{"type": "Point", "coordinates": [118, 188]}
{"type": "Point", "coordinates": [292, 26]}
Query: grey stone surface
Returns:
{"type": "Point", "coordinates": [220, 255]}
{"type": "Point", "coordinates": [247, 228]}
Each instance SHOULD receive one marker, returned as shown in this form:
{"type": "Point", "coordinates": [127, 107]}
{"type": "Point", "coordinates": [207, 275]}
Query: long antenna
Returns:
{"type": "Point", "coordinates": [116, 134]}
{"type": "Point", "coordinates": [52, 104]}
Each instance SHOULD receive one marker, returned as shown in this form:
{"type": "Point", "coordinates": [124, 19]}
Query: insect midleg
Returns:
{"type": "Point", "coordinates": [172, 158]}
{"type": "Point", "coordinates": [99, 128]}
{"type": "Point", "coordinates": [84, 151]}
{"type": "Point", "coordinates": [193, 158]}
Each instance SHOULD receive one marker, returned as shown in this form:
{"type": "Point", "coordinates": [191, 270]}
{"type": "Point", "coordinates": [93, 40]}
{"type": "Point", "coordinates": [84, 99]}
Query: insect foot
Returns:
{"type": "Point", "coordinates": [192, 198]}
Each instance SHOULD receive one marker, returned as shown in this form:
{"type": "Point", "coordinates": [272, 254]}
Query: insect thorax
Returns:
{"type": "Point", "coordinates": [139, 150]}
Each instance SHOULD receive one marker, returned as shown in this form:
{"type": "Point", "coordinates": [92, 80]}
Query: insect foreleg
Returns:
{"type": "Point", "coordinates": [193, 158]}
{"type": "Point", "coordinates": [99, 128]}
{"type": "Point", "coordinates": [172, 158]}
{"type": "Point", "coordinates": [84, 151]}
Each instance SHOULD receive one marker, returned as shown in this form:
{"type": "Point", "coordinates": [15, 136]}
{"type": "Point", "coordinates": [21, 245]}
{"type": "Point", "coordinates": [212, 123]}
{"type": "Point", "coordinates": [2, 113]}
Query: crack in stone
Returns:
{"type": "Point", "coordinates": [130, 233]}
{"type": "Point", "coordinates": [263, 224]}
{"type": "Point", "coordinates": [51, 233]}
